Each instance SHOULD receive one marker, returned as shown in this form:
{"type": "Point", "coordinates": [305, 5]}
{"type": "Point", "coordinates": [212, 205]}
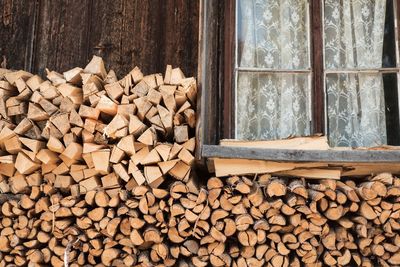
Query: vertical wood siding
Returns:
{"type": "Point", "coordinates": [61, 34]}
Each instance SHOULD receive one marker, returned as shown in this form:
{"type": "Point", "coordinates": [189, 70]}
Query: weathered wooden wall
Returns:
{"type": "Point", "coordinates": [60, 34]}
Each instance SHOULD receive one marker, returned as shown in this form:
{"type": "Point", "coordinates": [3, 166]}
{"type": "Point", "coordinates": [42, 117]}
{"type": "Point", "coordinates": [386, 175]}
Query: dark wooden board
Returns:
{"type": "Point", "coordinates": [17, 27]}
{"type": "Point", "coordinates": [209, 77]}
{"type": "Point", "coordinates": [61, 34]}
{"type": "Point", "coordinates": [122, 33]}
{"type": "Point", "coordinates": [334, 156]}
{"type": "Point", "coordinates": [318, 118]}
{"type": "Point", "coordinates": [149, 34]}
{"type": "Point", "coordinates": [180, 35]}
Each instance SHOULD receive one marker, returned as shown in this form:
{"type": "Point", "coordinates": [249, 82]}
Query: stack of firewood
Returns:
{"type": "Point", "coordinates": [288, 222]}
{"type": "Point", "coordinates": [132, 227]}
{"type": "Point", "coordinates": [83, 160]}
{"type": "Point", "coordinates": [84, 129]}
{"type": "Point", "coordinates": [243, 221]}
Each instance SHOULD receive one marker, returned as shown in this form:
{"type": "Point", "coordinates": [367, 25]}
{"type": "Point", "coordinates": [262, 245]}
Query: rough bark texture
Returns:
{"type": "Point", "coordinates": [60, 34]}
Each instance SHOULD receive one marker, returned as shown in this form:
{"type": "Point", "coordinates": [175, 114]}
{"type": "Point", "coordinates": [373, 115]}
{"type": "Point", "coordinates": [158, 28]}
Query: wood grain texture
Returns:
{"type": "Point", "coordinates": [112, 33]}
{"type": "Point", "coordinates": [318, 118]}
{"type": "Point", "coordinates": [66, 33]}
{"type": "Point", "coordinates": [209, 76]}
{"type": "Point", "coordinates": [180, 35]}
{"type": "Point", "coordinates": [61, 39]}
{"type": "Point", "coordinates": [228, 69]}
{"type": "Point", "coordinates": [334, 156]}
{"type": "Point", "coordinates": [17, 25]}
{"type": "Point", "coordinates": [149, 34]}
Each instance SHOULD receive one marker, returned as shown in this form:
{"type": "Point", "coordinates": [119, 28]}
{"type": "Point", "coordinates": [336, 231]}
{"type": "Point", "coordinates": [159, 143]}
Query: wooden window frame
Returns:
{"type": "Point", "coordinates": [215, 76]}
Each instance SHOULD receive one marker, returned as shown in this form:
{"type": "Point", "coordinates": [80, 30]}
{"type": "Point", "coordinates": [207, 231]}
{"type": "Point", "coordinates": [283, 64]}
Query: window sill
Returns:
{"type": "Point", "coordinates": [297, 155]}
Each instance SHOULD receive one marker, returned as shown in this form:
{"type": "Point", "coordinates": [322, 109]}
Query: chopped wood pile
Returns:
{"type": "Point", "coordinates": [72, 149]}
{"type": "Point", "coordinates": [84, 129]}
{"type": "Point", "coordinates": [262, 221]}
{"type": "Point", "coordinates": [98, 171]}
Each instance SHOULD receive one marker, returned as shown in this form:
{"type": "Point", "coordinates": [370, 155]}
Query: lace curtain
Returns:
{"type": "Point", "coordinates": [272, 34]}
{"type": "Point", "coordinates": [354, 32]}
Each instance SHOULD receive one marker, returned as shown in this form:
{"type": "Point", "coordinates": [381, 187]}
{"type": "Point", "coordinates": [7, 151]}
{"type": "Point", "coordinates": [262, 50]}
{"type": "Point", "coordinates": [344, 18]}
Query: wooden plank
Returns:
{"type": "Point", "coordinates": [61, 40]}
{"type": "Point", "coordinates": [113, 39]}
{"type": "Point", "coordinates": [228, 120]}
{"type": "Point", "coordinates": [17, 30]}
{"type": "Point", "coordinates": [371, 168]}
{"type": "Point", "coordinates": [180, 35]}
{"type": "Point", "coordinates": [371, 156]}
{"type": "Point", "coordinates": [208, 77]}
{"type": "Point", "coordinates": [148, 27]}
{"type": "Point", "coordinates": [311, 170]}
{"type": "Point", "coordinates": [318, 65]}
{"type": "Point", "coordinates": [107, 22]}
{"type": "Point", "coordinates": [69, 32]}
{"type": "Point", "coordinates": [165, 32]}
{"type": "Point", "coordinates": [303, 143]}
{"type": "Point", "coordinates": [317, 173]}
{"type": "Point", "coordinates": [225, 167]}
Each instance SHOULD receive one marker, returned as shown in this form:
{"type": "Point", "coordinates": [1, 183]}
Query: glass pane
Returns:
{"type": "Point", "coordinates": [389, 44]}
{"type": "Point", "coordinates": [391, 109]}
{"type": "Point", "coordinates": [356, 110]}
{"type": "Point", "coordinates": [272, 106]}
{"type": "Point", "coordinates": [354, 34]}
{"type": "Point", "coordinates": [273, 34]}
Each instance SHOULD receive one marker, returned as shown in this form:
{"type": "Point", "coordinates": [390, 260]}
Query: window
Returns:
{"type": "Point", "coordinates": [304, 67]}
{"type": "Point", "coordinates": [351, 98]}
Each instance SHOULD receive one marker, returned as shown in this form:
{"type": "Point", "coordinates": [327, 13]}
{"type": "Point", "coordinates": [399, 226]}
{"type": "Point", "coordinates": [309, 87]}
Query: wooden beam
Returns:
{"type": "Point", "coordinates": [332, 156]}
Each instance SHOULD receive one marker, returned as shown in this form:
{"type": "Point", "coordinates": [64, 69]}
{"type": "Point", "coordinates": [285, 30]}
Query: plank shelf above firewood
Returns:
{"type": "Point", "coordinates": [309, 157]}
